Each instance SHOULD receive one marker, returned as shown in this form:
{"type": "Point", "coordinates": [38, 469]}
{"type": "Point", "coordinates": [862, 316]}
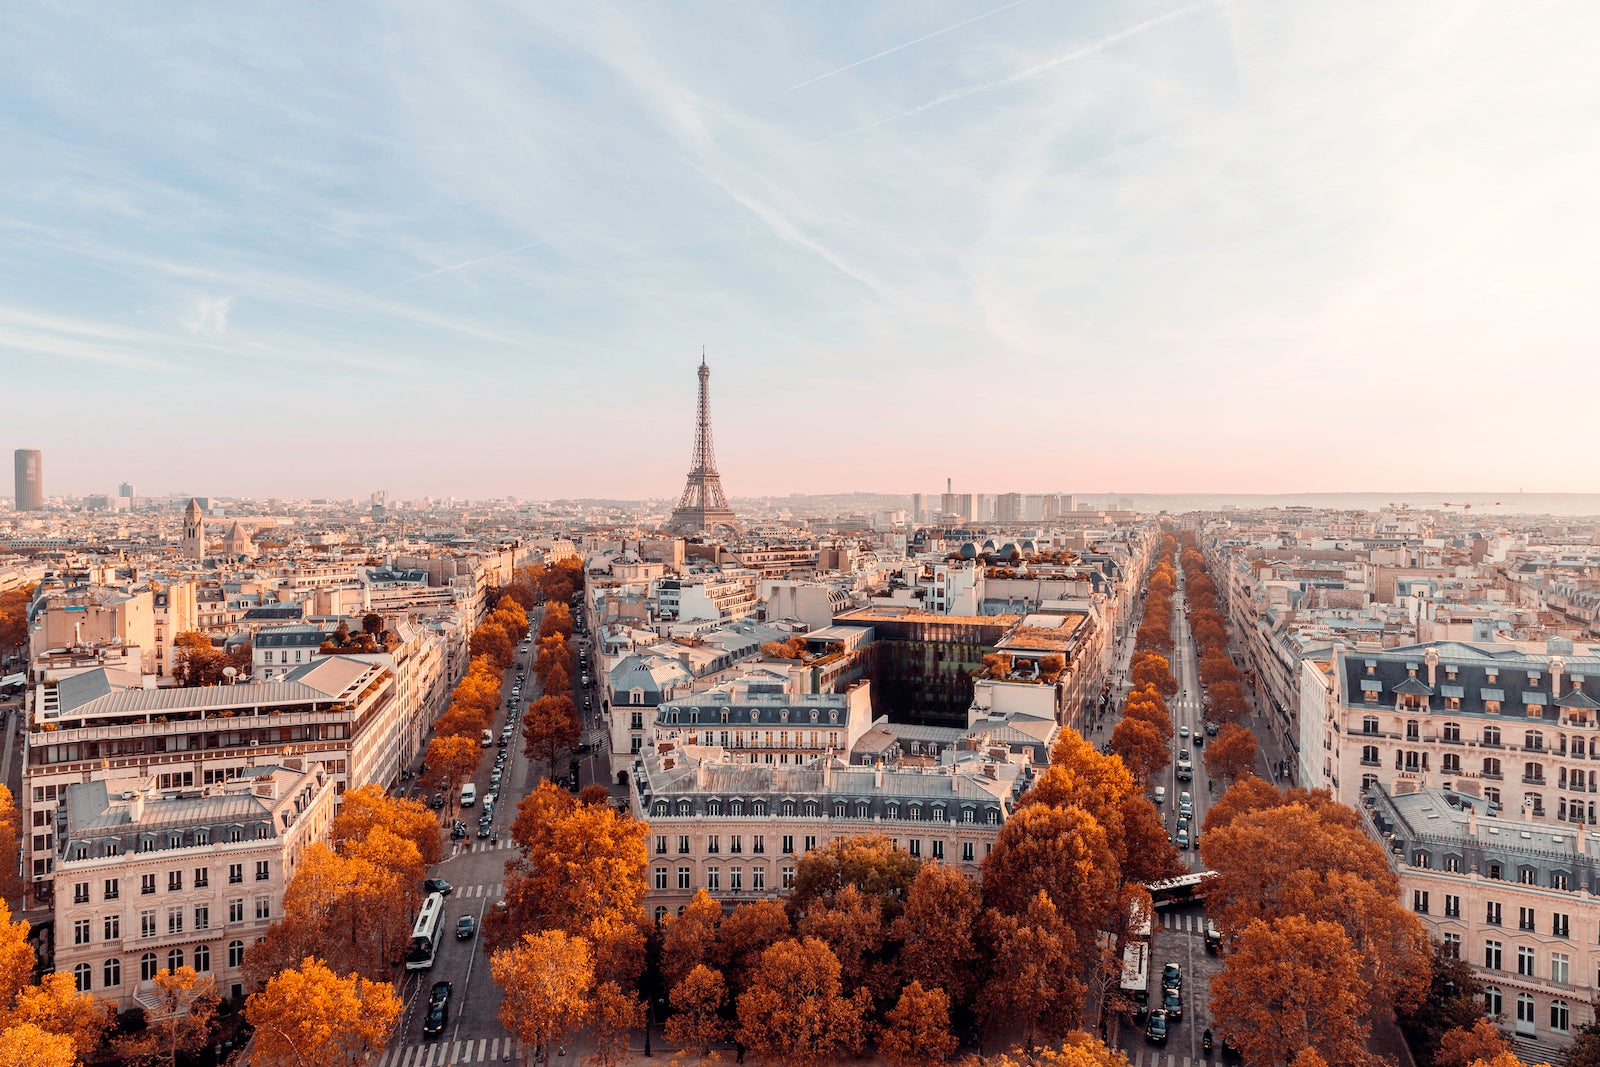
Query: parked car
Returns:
{"type": "Point", "coordinates": [437, 802]}
{"type": "Point", "coordinates": [1160, 795]}
{"type": "Point", "coordinates": [1211, 729]}
{"type": "Point", "coordinates": [466, 927]}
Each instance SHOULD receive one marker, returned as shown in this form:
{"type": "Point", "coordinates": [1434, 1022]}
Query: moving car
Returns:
{"type": "Point", "coordinates": [438, 1016]}
{"type": "Point", "coordinates": [1171, 977]}
{"type": "Point", "coordinates": [1172, 1004]}
{"type": "Point", "coordinates": [1181, 839]}
{"type": "Point", "coordinates": [1213, 937]}
{"type": "Point", "coordinates": [484, 830]}
{"type": "Point", "coordinates": [1155, 1028]}
{"type": "Point", "coordinates": [466, 927]}
{"type": "Point", "coordinates": [437, 885]}
{"type": "Point", "coordinates": [1183, 731]}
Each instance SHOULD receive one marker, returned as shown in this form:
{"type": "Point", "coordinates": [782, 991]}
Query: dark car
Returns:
{"type": "Point", "coordinates": [1199, 739]}
{"type": "Point", "coordinates": [1155, 1028]}
{"type": "Point", "coordinates": [484, 829]}
{"type": "Point", "coordinates": [466, 927]}
{"type": "Point", "coordinates": [438, 1016]}
{"type": "Point", "coordinates": [504, 741]}
{"type": "Point", "coordinates": [437, 802]}
{"type": "Point", "coordinates": [437, 885]}
{"type": "Point", "coordinates": [458, 831]}
{"type": "Point", "coordinates": [1213, 937]}
{"type": "Point", "coordinates": [1211, 729]}
{"type": "Point", "coordinates": [1172, 1004]}
{"type": "Point", "coordinates": [1171, 977]}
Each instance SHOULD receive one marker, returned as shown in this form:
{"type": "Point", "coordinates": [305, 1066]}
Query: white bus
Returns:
{"type": "Point", "coordinates": [425, 934]}
{"type": "Point", "coordinates": [1180, 890]}
{"type": "Point", "coordinates": [1136, 972]}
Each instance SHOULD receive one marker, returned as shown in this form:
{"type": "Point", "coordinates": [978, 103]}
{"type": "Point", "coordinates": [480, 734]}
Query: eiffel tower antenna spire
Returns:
{"type": "Point", "coordinates": [702, 508]}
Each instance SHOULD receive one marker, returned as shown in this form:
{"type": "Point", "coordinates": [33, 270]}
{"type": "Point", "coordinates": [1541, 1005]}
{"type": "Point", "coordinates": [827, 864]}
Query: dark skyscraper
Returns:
{"type": "Point", "coordinates": [30, 479]}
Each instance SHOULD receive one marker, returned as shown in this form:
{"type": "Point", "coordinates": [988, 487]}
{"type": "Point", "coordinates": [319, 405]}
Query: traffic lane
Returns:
{"type": "Point", "coordinates": [1180, 938]}
{"type": "Point", "coordinates": [475, 999]}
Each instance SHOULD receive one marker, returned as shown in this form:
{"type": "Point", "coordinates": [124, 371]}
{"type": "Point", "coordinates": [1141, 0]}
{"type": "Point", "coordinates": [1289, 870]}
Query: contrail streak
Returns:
{"type": "Point", "coordinates": [908, 44]}
{"type": "Point", "coordinates": [1082, 52]}
{"type": "Point", "coordinates": [461, 266]}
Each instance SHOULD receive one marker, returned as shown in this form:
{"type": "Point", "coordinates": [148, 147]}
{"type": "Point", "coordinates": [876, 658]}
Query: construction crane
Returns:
{"type": "Point", "coordinates": [1466, 508]}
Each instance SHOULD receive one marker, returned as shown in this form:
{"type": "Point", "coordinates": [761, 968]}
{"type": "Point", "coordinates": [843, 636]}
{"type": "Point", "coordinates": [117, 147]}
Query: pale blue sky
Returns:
{"type": "Point", "coordinates": [474, 249]}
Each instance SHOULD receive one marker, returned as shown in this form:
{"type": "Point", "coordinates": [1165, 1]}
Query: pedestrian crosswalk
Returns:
{"type": "Point", "coordinates": [1187, 921]}
{"type": "Point", "coordinates": [487, 844]}
{"type": "Point", "coordinates": [475, 892]}
{"type": "Point", "coordinates": [1153, 1057]}
{"type": "Point", "coordinates": [448, 1053]}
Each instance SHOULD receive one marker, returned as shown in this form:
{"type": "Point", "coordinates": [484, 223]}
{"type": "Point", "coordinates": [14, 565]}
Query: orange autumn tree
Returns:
{"type": "Point", "coordinates": [309, 1016]}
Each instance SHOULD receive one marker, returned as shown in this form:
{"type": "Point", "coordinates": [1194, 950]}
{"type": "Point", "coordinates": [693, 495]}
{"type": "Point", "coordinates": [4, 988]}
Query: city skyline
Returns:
{"type": "Point", "coordinates": [1154, 247]}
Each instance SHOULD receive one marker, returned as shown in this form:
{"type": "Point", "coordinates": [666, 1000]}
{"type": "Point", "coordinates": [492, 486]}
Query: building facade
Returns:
{"type": "Point", "coordinates": [1518, 901]}
{"type": "Point", "coordinates": [149, 879]}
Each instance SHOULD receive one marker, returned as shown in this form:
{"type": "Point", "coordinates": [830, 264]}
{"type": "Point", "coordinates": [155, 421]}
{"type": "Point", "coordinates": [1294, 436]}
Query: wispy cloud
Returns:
{"type": "Point", "coordinates": [209, 318]}
{"type": "Point", "coordinates": [907, 44]}
{"type": "Point", "coordinates": [460, 266]}
{"type": "Point", "coordinates": [1033, 71]}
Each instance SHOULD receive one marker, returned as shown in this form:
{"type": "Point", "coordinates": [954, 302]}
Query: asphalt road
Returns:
{"type": "Point", "coordinates": [1179, 939]}
{"type": "Point", "coordinates": [475, 868]}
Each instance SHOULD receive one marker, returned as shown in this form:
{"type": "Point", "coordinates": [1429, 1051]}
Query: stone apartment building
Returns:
{"type": "Point", "coordinates": [1517, 900]}
{"type": "Point", "coordinates": [1512, 723]}
{"type": "Point", "coordinates": [151, 878]}
{"type": "Point", "coordinates": [340, 714]}
{"type": "Point", "coordinates": [738, 828]}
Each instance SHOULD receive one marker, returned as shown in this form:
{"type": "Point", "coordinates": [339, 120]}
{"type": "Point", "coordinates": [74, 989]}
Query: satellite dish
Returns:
{"type": "Point", "coordinates": [229, 672]}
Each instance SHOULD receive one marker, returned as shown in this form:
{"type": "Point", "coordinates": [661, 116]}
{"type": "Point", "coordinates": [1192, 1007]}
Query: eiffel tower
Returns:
{"type": "Point", "coordinates": [702, 508]}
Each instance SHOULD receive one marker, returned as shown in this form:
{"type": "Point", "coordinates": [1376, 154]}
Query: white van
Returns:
{"type": "Point", "coordinates": [1161, 795]}
{"type": "Point", "coordinates": [469, 795]}
{"type": "Point", "coordinates": [488, 739]}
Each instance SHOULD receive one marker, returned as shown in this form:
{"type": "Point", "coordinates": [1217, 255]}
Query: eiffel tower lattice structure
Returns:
{"type": "Point", "coordinates": [703, 508]}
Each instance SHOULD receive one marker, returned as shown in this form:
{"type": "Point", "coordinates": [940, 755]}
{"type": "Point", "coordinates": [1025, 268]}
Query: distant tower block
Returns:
{"type": "Point", "coordinates": [30, 479]}
{"type": "Point", "coordinates": [194, 531]}
{"type": "Point", "coordinates": [703, 508]}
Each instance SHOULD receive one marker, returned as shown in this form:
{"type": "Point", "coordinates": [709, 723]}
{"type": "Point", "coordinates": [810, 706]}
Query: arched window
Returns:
{"type": "Point", "coordinates": [787, 811]}
{"type": "Point", "coordinates": [1560, 1016]}
{"type": "Point", "coordinates": [1491, 735]}
{"type": "Point", "coordinates": [83, 974]}
{"type": "Point", "coordinates": [147, 967]}
{"type": "Point", "coordinates": [938, 813]}
{"type": "Point", "coordinates": [991, 816]}
{"type": "Point", "coordinates": [1369, 755]}
{"type": "Point", "coordinates": [862, 809]}
{"type": "Point", "coordinates": [758, 807]}
{"type": "Point", "coordinates": [1493, 1006]}
{"type": "Point", "coordinates": [1491, 766]}
{"type": "Point", "coordinates": [713, 807]}
{"type": "Point", "coordinates": [661, 808]}
{"type": "Point", "coordinates": [661, 914]}
{"type": "Point", "coordinates": [111, 973]}
{"type": "Point", "coordinates": [202, 958]}
{"type": "Point", "coordinates": [1369, 725]}
{"type": "Point", "coordinates": [683, 807]}
{"type": "Point", "coordinates": [735, 807]}
{"type": "Point", "coordinates": [839, 809]}
{"type": "Point", "coordinates": [811, 809]}
{"type": "Point", "coordinates": [235, 953]}
{"type": "Point", "coordinates": [1525, 1013]}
